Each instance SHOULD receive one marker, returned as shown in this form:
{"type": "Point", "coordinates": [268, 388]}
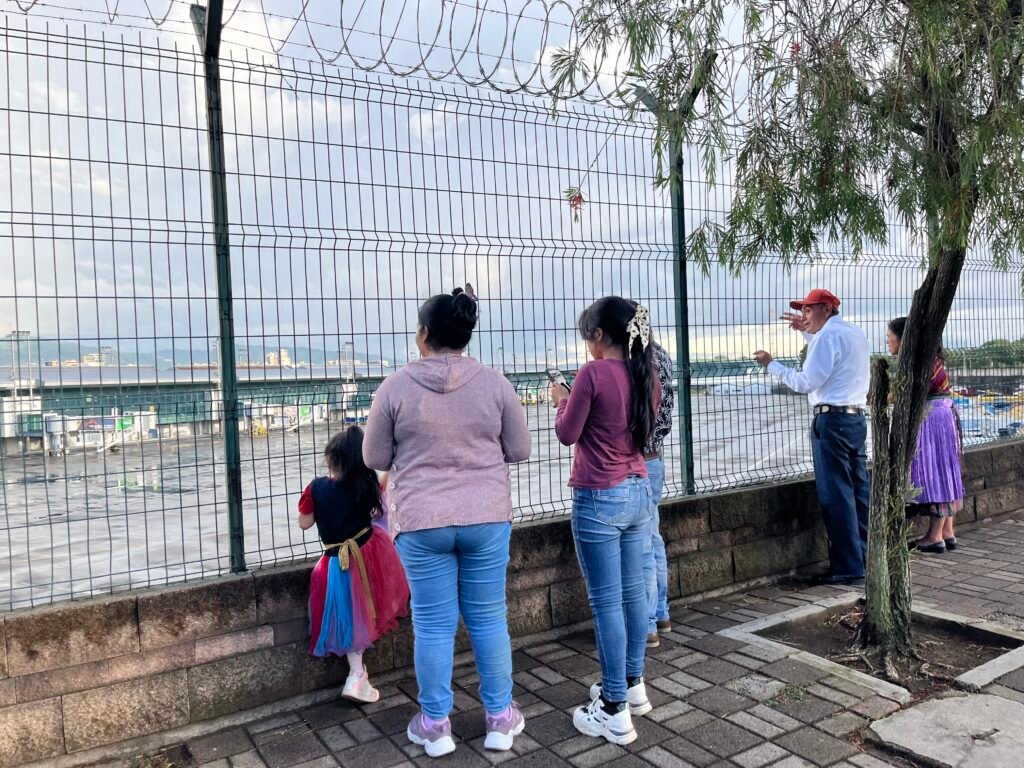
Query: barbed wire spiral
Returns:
{"type": "Point", "coordinates": [504, 45]}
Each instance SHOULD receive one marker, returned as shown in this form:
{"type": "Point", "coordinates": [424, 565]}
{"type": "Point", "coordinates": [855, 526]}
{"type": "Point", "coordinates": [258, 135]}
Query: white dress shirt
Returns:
{"type": "Point", "coordinates": [837, 369]}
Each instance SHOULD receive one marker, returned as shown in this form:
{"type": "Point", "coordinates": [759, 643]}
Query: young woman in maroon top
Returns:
{"type": "Point", "coordinates": [608, 417]}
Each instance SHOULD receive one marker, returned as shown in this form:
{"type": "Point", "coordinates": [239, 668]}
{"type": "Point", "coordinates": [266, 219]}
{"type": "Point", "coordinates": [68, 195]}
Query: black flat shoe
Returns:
{"type": "Point", "coordinates": [950, 544]}
{"type": "Point", "coordinates": [828, 580]}
{"type": "Point", "coordinates": [938, 548]}
{"type": "Point", "coordinates": [912, 544]}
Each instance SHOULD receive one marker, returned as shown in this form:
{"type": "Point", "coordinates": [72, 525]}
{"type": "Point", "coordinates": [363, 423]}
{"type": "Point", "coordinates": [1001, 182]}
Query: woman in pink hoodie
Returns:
{"type": "Point", "coordinates": [446, 427]}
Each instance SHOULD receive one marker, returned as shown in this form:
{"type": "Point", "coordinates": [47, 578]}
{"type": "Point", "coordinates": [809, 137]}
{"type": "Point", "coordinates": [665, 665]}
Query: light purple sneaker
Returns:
{"type": "Point", "coordinates": [435, 740]}
{"type": "Point", "coordinates": [503, 727]}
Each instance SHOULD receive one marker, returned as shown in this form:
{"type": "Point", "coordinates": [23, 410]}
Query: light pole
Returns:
{"type": "Point", "coordinates": [348, 360]}
{"type": "Point", "coordinates": [15, 359]}
{"type": "Point", "coordinates": [16, 336]}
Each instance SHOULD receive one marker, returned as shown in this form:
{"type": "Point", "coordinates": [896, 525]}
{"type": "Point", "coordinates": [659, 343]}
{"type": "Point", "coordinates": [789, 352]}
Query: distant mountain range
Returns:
{"type": "Point", "coordinates": [130, 352]}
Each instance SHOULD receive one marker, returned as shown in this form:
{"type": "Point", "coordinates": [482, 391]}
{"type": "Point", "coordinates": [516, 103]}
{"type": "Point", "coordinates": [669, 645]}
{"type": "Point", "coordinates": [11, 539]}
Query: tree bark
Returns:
{"type": "Point", "coordinates": [887, 617]}
{"type": "Point", "coordinates": [877, 626]}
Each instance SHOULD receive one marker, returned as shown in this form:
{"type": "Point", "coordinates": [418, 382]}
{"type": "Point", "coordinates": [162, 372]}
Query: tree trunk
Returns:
{"type": "Point", "coordinates": [877, 628]}
{"type": "Point", "coordinates": [886, 624]}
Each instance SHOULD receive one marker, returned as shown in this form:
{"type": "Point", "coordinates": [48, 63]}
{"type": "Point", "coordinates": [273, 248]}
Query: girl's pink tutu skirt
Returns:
{"type": "Point", "coordinates": [341, 619]}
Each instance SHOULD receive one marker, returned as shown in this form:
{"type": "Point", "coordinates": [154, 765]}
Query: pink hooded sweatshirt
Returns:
{"type": "Point", "coordinates": [446, 427]}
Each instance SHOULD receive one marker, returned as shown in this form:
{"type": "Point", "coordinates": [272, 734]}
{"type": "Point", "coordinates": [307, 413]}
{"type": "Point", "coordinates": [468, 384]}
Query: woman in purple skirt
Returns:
{"type": "Point", "coordinates": [936, 466]}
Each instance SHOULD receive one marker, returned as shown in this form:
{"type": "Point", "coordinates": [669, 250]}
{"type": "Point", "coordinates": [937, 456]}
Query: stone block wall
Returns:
{"type": "Point", "coordinates": [82, 675]}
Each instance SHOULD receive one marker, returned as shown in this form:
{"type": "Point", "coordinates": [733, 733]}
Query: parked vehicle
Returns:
{"type": "Point", "coordinates": [1013, 429]}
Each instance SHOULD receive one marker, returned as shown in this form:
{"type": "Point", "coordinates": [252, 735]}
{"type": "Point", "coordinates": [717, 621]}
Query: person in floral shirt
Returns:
{"type": "Point", "coordinates": [655, 565]}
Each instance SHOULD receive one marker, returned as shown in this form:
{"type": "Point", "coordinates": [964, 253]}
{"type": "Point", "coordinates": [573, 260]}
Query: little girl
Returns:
{"type": "Point", "coordinates": [357, 591]}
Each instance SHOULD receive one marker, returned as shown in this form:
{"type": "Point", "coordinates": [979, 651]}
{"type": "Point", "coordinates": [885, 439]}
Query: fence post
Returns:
{"type": "Point", "coordinates": [208, 22]}
{"type": "Point", "coordinates": [679, 274]}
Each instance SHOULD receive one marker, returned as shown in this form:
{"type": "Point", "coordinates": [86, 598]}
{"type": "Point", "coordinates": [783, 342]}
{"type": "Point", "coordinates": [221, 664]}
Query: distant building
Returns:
{"type": "Point", "coordinates": [105, 357]}
{"type": "Point", "coordinates": [286, 358]}
{"type": "Point", "coordinates": [273, 361]}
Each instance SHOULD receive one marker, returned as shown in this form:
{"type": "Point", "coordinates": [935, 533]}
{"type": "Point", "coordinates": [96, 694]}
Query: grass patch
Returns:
{"type": "Point", "coordinates": [156, 760]}
{"type": "Point", "coordinates": [786, 695]}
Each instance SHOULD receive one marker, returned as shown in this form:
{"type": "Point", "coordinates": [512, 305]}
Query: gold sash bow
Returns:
{"type": "Point", "coordinates": [348, 551]}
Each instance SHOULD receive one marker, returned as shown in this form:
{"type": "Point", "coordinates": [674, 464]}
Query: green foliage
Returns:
{"type": "Point", "coordinates": [846, 110]}
{"type": "Point", "coordinates": [997, 353]}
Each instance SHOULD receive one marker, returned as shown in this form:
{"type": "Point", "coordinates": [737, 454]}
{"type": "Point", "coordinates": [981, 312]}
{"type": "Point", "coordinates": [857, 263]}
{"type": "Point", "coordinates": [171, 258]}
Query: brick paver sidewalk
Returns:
{"type": "Point", "coordinates": [717, 702]}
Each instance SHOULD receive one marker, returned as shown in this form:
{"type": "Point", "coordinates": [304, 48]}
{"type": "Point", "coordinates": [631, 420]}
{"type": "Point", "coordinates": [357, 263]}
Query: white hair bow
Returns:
{"type": "Point", "coordinates": [639, 326]}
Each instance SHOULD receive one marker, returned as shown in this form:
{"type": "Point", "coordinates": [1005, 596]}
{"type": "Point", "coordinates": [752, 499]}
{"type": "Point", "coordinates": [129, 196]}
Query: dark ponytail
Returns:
{"type": "Point", "coordinates": [612, 315]}
{"type": "Point", "coordinates": [449, 318]}
{"type": "Point", "coordinates": [344, 455]}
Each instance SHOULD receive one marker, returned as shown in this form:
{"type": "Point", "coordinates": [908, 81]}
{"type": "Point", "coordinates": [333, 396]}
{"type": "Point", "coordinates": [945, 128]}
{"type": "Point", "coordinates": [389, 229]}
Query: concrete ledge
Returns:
{"type": "Point", "coordinates": [170, 616]}
{"type": "Point", "coordinates": [63, 635]}
{"type": "Point", "coordinates": [979, 677]}
{"type": "Point", "coordinates": [281, 594]}
{"type": "Point", "coordinates": [240, 642]}
{"type": "Point", "coordinates": [233, 684]}
{"type": "Point", "coordinates": [3, 647]}
{"type": "Point", "coordinates": [130, 709]}
{"type": "Point", "coordinates": [31, 732]}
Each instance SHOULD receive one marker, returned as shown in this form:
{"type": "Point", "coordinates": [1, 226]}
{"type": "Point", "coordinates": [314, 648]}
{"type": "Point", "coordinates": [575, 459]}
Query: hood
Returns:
{"type": "Point", "coordinates": [444, 373]}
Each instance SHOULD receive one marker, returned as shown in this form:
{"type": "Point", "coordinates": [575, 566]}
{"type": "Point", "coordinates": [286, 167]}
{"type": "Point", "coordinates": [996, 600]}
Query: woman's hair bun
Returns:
{"type": "Point", "coordinates": [449, 318]}
{"type": "Point", "coordinates": [464, 309]}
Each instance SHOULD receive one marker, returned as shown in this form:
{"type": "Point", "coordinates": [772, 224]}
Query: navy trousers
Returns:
{"type": "Point", "coordinates": [841, 477]}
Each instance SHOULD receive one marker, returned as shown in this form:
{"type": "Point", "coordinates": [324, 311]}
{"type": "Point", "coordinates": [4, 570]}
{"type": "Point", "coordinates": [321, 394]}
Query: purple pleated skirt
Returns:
{"type": "Point", "coordinates": [936, 466]}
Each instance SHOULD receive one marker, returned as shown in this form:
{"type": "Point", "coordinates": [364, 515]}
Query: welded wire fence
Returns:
{"type": "Point", "coordinates": [351, 199]}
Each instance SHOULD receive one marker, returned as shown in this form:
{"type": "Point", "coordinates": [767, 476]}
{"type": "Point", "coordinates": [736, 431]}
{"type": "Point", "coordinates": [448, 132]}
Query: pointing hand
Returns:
{"type": "Point", "coordinates": [795, 320]}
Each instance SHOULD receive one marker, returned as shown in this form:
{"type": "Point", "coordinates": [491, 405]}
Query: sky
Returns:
{"type": "Point", "coordinates": [353, 197]}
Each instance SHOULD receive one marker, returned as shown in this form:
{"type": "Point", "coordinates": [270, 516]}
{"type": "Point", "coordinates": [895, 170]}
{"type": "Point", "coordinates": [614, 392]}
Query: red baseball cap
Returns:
{"type": "Point", "coordinates": [817, 296]}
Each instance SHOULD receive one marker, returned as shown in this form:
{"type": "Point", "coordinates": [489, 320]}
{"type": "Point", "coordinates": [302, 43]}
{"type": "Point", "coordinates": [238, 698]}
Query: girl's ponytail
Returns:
{"type": "Point", "coordinates": [640, 361]}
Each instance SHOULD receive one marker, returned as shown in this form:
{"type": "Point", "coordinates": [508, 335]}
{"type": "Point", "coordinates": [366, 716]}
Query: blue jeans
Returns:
{"type": "Point", "coordinates": [655, 564]}
{"type": "Point", "coordinates": [609, 527]}
{"type": "Point", "coordinates": [453, 569]}
{"type": "Point", "coordinates": [841, 478]}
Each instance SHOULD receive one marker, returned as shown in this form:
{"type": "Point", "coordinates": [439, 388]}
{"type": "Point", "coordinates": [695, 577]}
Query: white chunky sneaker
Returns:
{"type": "Point", "coordinates": [592, 720]}
{"type": "Point", "coordinates": [358, 688]}
{"type": "Point", "coordinates": [636, 697]}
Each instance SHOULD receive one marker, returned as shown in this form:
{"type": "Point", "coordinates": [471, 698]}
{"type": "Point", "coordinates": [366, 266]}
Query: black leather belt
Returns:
{"type": "Point", "coordinates": [855, 410]}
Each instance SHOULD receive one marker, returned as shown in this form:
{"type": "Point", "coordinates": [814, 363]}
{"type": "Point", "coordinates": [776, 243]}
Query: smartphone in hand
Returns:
{"type": "Point", "coordinates": [557, 377]}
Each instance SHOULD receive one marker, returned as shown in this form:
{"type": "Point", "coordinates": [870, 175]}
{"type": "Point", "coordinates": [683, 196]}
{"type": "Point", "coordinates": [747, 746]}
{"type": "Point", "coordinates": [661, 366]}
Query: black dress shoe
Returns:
{"type": "Point", "coordinates": [831, 580]}
{"type": "Point", "coordinates": [950, 544]}
{"type": "Point", "coordinates": [938, 548]}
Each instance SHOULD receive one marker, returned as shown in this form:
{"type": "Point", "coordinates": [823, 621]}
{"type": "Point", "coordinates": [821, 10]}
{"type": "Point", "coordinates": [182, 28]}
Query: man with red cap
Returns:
{"type": "Point", "coordinates": [835, 377]}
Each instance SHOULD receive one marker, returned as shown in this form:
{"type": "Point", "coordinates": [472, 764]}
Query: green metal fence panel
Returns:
{"type": "Point", "coordinates": [350, 199]}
